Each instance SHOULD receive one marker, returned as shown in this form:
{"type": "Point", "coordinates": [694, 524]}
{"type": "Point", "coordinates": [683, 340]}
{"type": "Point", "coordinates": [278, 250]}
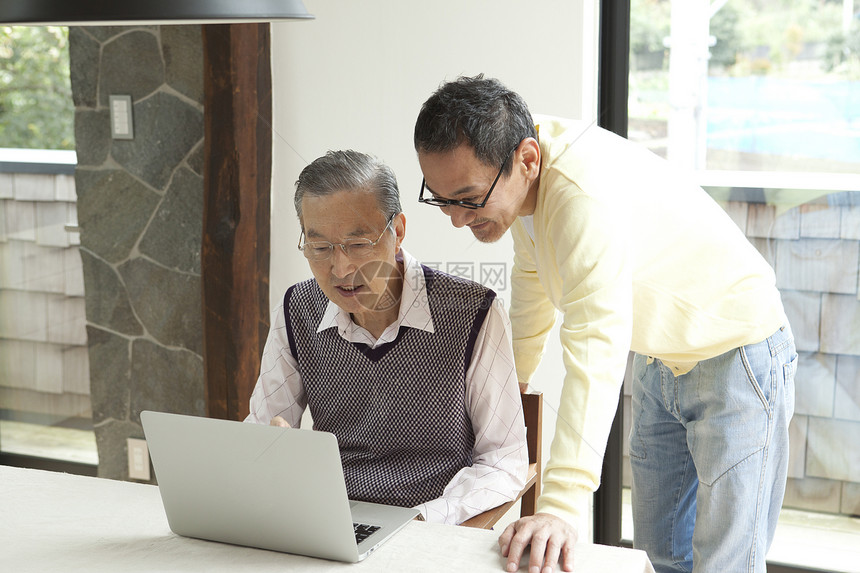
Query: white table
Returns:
{"type": "Point", "coordinates": [60, 522]}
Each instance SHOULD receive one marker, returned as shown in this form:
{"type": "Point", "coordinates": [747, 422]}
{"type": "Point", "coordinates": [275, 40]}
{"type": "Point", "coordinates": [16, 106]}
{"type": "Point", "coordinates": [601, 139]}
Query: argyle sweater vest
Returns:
{"type": "Point", "coordinates": [399, 410]}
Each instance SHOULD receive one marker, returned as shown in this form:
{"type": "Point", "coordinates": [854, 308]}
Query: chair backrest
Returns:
{"type": "Point", "coordinates": [533, 418]}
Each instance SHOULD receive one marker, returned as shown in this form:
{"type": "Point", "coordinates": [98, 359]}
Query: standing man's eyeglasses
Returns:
{"type": "Point", "coordinates": [438, 202]}
{"type": "Point", "coordinates": [354, 248]}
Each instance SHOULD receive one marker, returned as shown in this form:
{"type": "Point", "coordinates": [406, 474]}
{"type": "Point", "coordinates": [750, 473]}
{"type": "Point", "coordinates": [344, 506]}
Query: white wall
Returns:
{"type": "Point", "coordinates": [356, 76]}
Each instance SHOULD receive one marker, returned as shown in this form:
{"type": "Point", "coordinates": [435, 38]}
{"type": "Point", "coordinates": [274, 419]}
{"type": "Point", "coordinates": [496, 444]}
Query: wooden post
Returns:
{"type": "Point", "coordinates": [237, 180]}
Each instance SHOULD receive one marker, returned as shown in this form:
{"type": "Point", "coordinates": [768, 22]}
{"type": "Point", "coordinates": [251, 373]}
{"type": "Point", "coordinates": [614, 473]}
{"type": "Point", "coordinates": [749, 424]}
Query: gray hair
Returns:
{"type": "Point", "coordinates": [480, 112]}
{"type": "Point", "coordinates": [349, 171]}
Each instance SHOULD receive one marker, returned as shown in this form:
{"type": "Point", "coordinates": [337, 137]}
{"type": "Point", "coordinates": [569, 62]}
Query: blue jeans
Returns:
{"type": "Point", "coordinates": [709, 454]}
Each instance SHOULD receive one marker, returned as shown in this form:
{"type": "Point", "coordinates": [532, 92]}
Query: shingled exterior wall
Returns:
{"type": "Point", "coordinates": [43, 343]}
{"type": "Point", "coordinates": [815, 251]}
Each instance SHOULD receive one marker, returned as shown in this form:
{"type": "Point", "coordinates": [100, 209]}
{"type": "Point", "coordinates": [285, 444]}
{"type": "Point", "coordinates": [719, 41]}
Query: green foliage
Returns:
{"type": "Point", "coordinates": [36, 108]}
{"type": "Point", "coordinates": [843, 53]}
{"type": "Point", "coordinates": [752, 36]}
{"type": "Point", "coordinates": [785, 27]}
{"type": "Point", "coordinates": [724, 28]}
{"type": "Point", "coordinates": [649, 24]}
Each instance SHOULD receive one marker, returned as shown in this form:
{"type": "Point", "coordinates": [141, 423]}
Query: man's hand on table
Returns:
{"type": "Point", "coordinates": [279, 421]}
{"type": "Point", "coordinates": [551, 539]}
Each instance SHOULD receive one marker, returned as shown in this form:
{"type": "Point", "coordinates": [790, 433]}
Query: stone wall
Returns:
{"type": "Point", "coordinates": [140, 211]}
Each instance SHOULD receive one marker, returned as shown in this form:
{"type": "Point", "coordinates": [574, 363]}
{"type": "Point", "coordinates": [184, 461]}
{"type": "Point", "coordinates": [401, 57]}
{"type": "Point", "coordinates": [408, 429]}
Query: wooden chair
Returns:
{"type": "Point", "coordinates": [533, 415]}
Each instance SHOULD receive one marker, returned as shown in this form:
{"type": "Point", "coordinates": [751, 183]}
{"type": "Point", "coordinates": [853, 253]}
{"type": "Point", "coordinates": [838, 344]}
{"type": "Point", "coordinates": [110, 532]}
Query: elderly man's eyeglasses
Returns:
{"type": "Point", "coordinates": [439, 202]}
{"type": "Point", "coordinates": [354, 248]}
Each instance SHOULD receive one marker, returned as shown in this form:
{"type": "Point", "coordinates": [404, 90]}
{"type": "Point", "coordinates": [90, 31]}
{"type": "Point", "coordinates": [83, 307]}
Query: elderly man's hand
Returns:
{"type": "Point", "coordinates": [552, 540]}
{"type": "Point", "coordinates": [279, 421]}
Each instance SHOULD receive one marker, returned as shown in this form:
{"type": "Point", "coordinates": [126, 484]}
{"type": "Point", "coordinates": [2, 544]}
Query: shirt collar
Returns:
{"type": "Point", "coordinates": [414, 309]}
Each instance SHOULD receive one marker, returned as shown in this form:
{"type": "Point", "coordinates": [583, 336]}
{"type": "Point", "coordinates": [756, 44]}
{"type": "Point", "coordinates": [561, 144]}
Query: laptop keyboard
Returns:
{"type": "Point", "coordinates": [363, 531]}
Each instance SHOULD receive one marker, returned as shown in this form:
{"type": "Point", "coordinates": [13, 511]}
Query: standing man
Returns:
{"type": "Point", "coordinates": [410, 368]}
{"type": "Point", "coordinates": [634, 256]}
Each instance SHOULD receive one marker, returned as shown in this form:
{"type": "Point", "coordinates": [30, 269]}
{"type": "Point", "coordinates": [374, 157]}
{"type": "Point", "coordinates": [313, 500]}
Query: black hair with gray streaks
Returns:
{"type": "Point", "coordinates": [478, 111]}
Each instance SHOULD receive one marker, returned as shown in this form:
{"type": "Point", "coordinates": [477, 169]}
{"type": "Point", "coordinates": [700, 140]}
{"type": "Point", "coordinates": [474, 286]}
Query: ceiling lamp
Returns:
{"type": "Point", "coordinates": [135, 12]}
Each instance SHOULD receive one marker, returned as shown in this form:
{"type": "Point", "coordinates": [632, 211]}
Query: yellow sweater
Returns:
{"type": "Point", "coordinates": [635, 256]}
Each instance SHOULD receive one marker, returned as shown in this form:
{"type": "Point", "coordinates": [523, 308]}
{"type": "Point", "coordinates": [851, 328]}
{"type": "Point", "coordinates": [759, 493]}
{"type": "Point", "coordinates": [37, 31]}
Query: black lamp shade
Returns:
{"type": "Point", "coordinates": [131, 12]}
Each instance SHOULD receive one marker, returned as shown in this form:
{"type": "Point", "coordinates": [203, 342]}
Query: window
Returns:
{"type": "Point", "coordinates": [36, 108]}
{"type": "Point", "coordinates": [762, 100]}
{"type": "Point", "coordinates": [45, 408]}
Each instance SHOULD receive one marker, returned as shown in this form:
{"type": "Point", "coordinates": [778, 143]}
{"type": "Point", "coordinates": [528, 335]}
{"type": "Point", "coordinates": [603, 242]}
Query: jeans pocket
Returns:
{"type": "Point", "coordinates": [759, 373]}
{"type": "Point", "coordinates": [789, 370]}
{"type": "Point", "coordinates": [636, 445]}
{"type": "Point", "coordinates": [732, 410]}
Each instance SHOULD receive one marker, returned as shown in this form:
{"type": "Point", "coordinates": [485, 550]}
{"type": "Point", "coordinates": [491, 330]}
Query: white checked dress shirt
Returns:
{"type": "Point", "coordinates": [500, 455]}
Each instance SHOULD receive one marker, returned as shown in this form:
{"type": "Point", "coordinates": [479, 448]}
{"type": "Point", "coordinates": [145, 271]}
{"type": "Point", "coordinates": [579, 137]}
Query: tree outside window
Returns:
{"type": "Point", "coordinates": [36, 108]}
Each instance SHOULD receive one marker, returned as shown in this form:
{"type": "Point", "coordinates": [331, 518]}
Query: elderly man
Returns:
{"type": "Point", "coordinates": [410, 368]}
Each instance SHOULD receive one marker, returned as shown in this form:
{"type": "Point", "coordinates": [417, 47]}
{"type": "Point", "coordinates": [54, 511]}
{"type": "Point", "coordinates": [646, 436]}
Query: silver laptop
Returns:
{"type": "Point", "coordinates": [262, 486]}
